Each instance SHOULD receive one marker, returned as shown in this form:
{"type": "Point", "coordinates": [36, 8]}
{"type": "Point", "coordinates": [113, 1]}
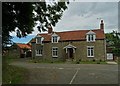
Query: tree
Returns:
{"type": "Point", "coordinates": [23, 15]}
{"type": "Point", "coordinates": [113, 40]}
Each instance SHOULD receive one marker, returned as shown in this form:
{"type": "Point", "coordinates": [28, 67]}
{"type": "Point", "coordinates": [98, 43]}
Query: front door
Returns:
{"type": "Point", "coordinates": [70, 53]}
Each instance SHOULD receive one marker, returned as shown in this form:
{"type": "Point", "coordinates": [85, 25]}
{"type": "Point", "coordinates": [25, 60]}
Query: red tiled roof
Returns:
{"type": "Point", "coordinates": [73, 35]}
{"type": "Point", "coordinates": [24, 45]}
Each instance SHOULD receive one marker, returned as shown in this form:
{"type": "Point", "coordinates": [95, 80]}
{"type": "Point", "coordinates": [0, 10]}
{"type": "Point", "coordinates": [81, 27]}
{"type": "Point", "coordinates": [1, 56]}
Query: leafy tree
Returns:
{"type": "Point", "coordinates": [113, 40]}
{"type": "Point", "coordinates": [23, 15]}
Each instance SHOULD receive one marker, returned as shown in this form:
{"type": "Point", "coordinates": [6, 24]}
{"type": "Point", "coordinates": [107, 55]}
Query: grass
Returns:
{"type": "Point", "coordinates": [63, 62]}
{"type": "Point", "coordinates": [46, 61]}
{"type": "Point", "coordinates": [12, 74]}
{"type": "Point", "coordinates": [90, 62]}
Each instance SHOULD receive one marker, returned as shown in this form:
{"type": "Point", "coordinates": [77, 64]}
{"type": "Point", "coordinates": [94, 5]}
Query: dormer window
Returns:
{"type": "Point", "coordinates": [39, 39]}
{"type": "Point", "coordinates": [90, 36]}
{"type": "Point", "coordinates": [55, 38]}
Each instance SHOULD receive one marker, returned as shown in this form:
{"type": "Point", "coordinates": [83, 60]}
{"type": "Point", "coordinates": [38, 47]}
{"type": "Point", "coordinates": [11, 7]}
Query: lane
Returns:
{"type": "Point", "coordinates": [88, 76]}
{"type": "Point", "coordinates": [70, 73]}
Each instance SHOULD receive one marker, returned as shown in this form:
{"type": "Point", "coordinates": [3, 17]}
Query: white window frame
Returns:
{"type": "Point", "coordinates": [92, 37]}
{"type": "Point", "coordinates": [40, 41]}
{"type": "Point", "coordinates": [90, 50]}
{"type": "Point", "coordinates": [39, 52]}
{"type": "Point", "coordinates": [54, 39]}
{"type": "Point", "coordinates": [54, 51]}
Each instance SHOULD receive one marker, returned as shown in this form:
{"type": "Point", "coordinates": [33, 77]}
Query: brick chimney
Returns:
{"type": "Point", "coordinates": [102, 25]}
{"type": "Point", "coordinates": [50, 29]}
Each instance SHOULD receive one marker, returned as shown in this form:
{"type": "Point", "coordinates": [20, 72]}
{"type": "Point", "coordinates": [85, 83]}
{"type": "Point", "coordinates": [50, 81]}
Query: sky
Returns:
{"type": "Point", "coordinates": [82, 16]}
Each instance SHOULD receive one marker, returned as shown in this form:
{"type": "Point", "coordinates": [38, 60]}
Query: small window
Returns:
{"type": "Point", "coordinates": [54, 39]}
{"type": "Point", "coordinates": [54, 52]}
{"type": "Point", "coordinates": [39, 40]}
{"type": "Point", "coordinates": [90, 38]}
{"type": "Point", "coordinates": [39, 52]}
{"type": "Point", "coordinates": [90, 51]}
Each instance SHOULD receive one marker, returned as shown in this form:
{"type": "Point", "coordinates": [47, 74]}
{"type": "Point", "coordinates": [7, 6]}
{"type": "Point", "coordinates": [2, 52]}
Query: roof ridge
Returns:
{"type": "Point", "coordinates": [78, 30]}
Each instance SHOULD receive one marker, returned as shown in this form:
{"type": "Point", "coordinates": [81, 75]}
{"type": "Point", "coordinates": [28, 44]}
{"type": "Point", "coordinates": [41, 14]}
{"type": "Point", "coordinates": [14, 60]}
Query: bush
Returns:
{"type": "Point", "coordinates": [100, 60]}
{"type": "Point", "coordinates": [79, 59]}
{"type": "Point", "coordinates": [93, 60]}
{"type": "Point", "coordinates": [77, 62]}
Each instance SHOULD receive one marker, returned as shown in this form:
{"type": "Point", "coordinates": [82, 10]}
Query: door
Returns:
{"type": "Point", "coordinates": [70, 53]}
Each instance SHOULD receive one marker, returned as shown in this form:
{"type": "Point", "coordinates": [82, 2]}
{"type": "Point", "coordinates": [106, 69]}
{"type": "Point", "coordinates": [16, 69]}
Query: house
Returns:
{"type": "Point", "coordinates": [76, 45]}
{"type": "Point", "coordinates": [20, 50]}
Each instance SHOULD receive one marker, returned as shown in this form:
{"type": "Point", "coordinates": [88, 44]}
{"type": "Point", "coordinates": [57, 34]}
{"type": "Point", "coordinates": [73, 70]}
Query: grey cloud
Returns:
{"type": "Point", "coordinates": [88, 12]}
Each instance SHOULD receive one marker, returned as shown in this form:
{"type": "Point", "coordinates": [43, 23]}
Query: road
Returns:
{"type": "Point", "coordinates": [41, 73]}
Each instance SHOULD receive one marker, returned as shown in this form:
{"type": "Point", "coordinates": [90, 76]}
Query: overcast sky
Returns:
{"type": "Point", "coordinates": [87, 15]}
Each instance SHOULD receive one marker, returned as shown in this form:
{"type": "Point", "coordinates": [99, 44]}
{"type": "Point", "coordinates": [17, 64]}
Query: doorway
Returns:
{"type": "Point", "coordinates": [70, 53]}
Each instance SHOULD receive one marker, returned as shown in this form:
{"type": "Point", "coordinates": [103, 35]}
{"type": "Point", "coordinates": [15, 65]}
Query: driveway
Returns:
{"type": "Point", "coordinates": [70, 73]}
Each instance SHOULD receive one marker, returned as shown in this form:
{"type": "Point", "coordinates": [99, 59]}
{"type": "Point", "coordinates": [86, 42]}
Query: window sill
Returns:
{"type": "Point", "coordinates": [55, 56]}
{"type": "Point", "coordinates": [54, 42]}
{"type": "Point", "coordinates": [39, 55]}
{"type": "Point", "coordinates": [40, 43]}
{"type": "Point", "coordinates": [90, 41]}
{"type": "Point", "coordinates": [90, 56]}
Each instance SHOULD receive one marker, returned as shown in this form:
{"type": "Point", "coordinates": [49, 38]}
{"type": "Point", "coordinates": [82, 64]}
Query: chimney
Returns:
{"type": "Point", "coordinates": [50, 29]}
{"type": "Point", "coordinates": [102, 25]}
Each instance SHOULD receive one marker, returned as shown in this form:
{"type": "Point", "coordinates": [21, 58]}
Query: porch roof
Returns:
{"type": "Point", "coordinates": [69, 46]}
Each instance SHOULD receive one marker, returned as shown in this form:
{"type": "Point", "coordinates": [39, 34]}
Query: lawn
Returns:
{"type": "Point", "coordinates": [12, 74]}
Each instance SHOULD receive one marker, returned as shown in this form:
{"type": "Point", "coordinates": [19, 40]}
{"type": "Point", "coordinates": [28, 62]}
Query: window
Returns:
{"type": "Point", "coordinates": [54, 39]}
{"type": "Point", "coordinates": [90, 38]}
{"type": "Point", "coordinates": [90, 51]}
{"type": "Point", "coordinates": [39, 52]}
{"type": "Point", "coordinates": [39, 40]}
{"type": "Point", "coordinates": [54, 52]}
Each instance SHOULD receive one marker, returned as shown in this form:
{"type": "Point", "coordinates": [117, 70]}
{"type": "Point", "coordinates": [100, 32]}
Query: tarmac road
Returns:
{"type": "Point", "coordinates": [70, 73]}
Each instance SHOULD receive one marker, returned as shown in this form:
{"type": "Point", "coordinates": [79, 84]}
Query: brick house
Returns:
{"type": "Point", "coordinates": [20, 50]}
{"type": "Point", "coordinates": [77, 45]}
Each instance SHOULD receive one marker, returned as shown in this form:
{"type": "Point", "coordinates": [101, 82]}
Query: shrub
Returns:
{"type": "Point", "coordinates": [100, 60]}
{"type": "Point", "coordinates": [77, 62]}
{"type": "Point", "coordinates": [93, 60]}
{"type": "Point", "coordinates": [79, 59]}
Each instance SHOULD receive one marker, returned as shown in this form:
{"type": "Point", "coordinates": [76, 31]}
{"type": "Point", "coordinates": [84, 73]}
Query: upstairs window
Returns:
{"type": "Point", "coordinates": [91, 36]}
{"type": "Point", "coordinates": [55, 38]}
{"type": "Point", "coordinates": [39, 40]}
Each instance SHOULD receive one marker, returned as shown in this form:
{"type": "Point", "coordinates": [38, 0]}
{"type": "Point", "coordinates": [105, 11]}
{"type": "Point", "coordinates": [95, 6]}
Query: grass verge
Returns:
{"type": "Point", "coordinates": [12, 74]}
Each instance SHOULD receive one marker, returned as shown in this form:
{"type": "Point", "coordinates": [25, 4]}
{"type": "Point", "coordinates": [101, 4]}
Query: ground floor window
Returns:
{"type": "Point", "coordinates": [39, 52]}
{"type": "Point", "coordinates": [55, 52]}
{"type": "Point", "coordinates": [90, 51]}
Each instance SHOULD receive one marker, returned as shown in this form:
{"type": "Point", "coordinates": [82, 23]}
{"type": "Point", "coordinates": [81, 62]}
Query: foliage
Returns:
{"type": "Point", "coordinates": [24, 16]}
{"type": "Point", "coordinates": [113, 40]}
